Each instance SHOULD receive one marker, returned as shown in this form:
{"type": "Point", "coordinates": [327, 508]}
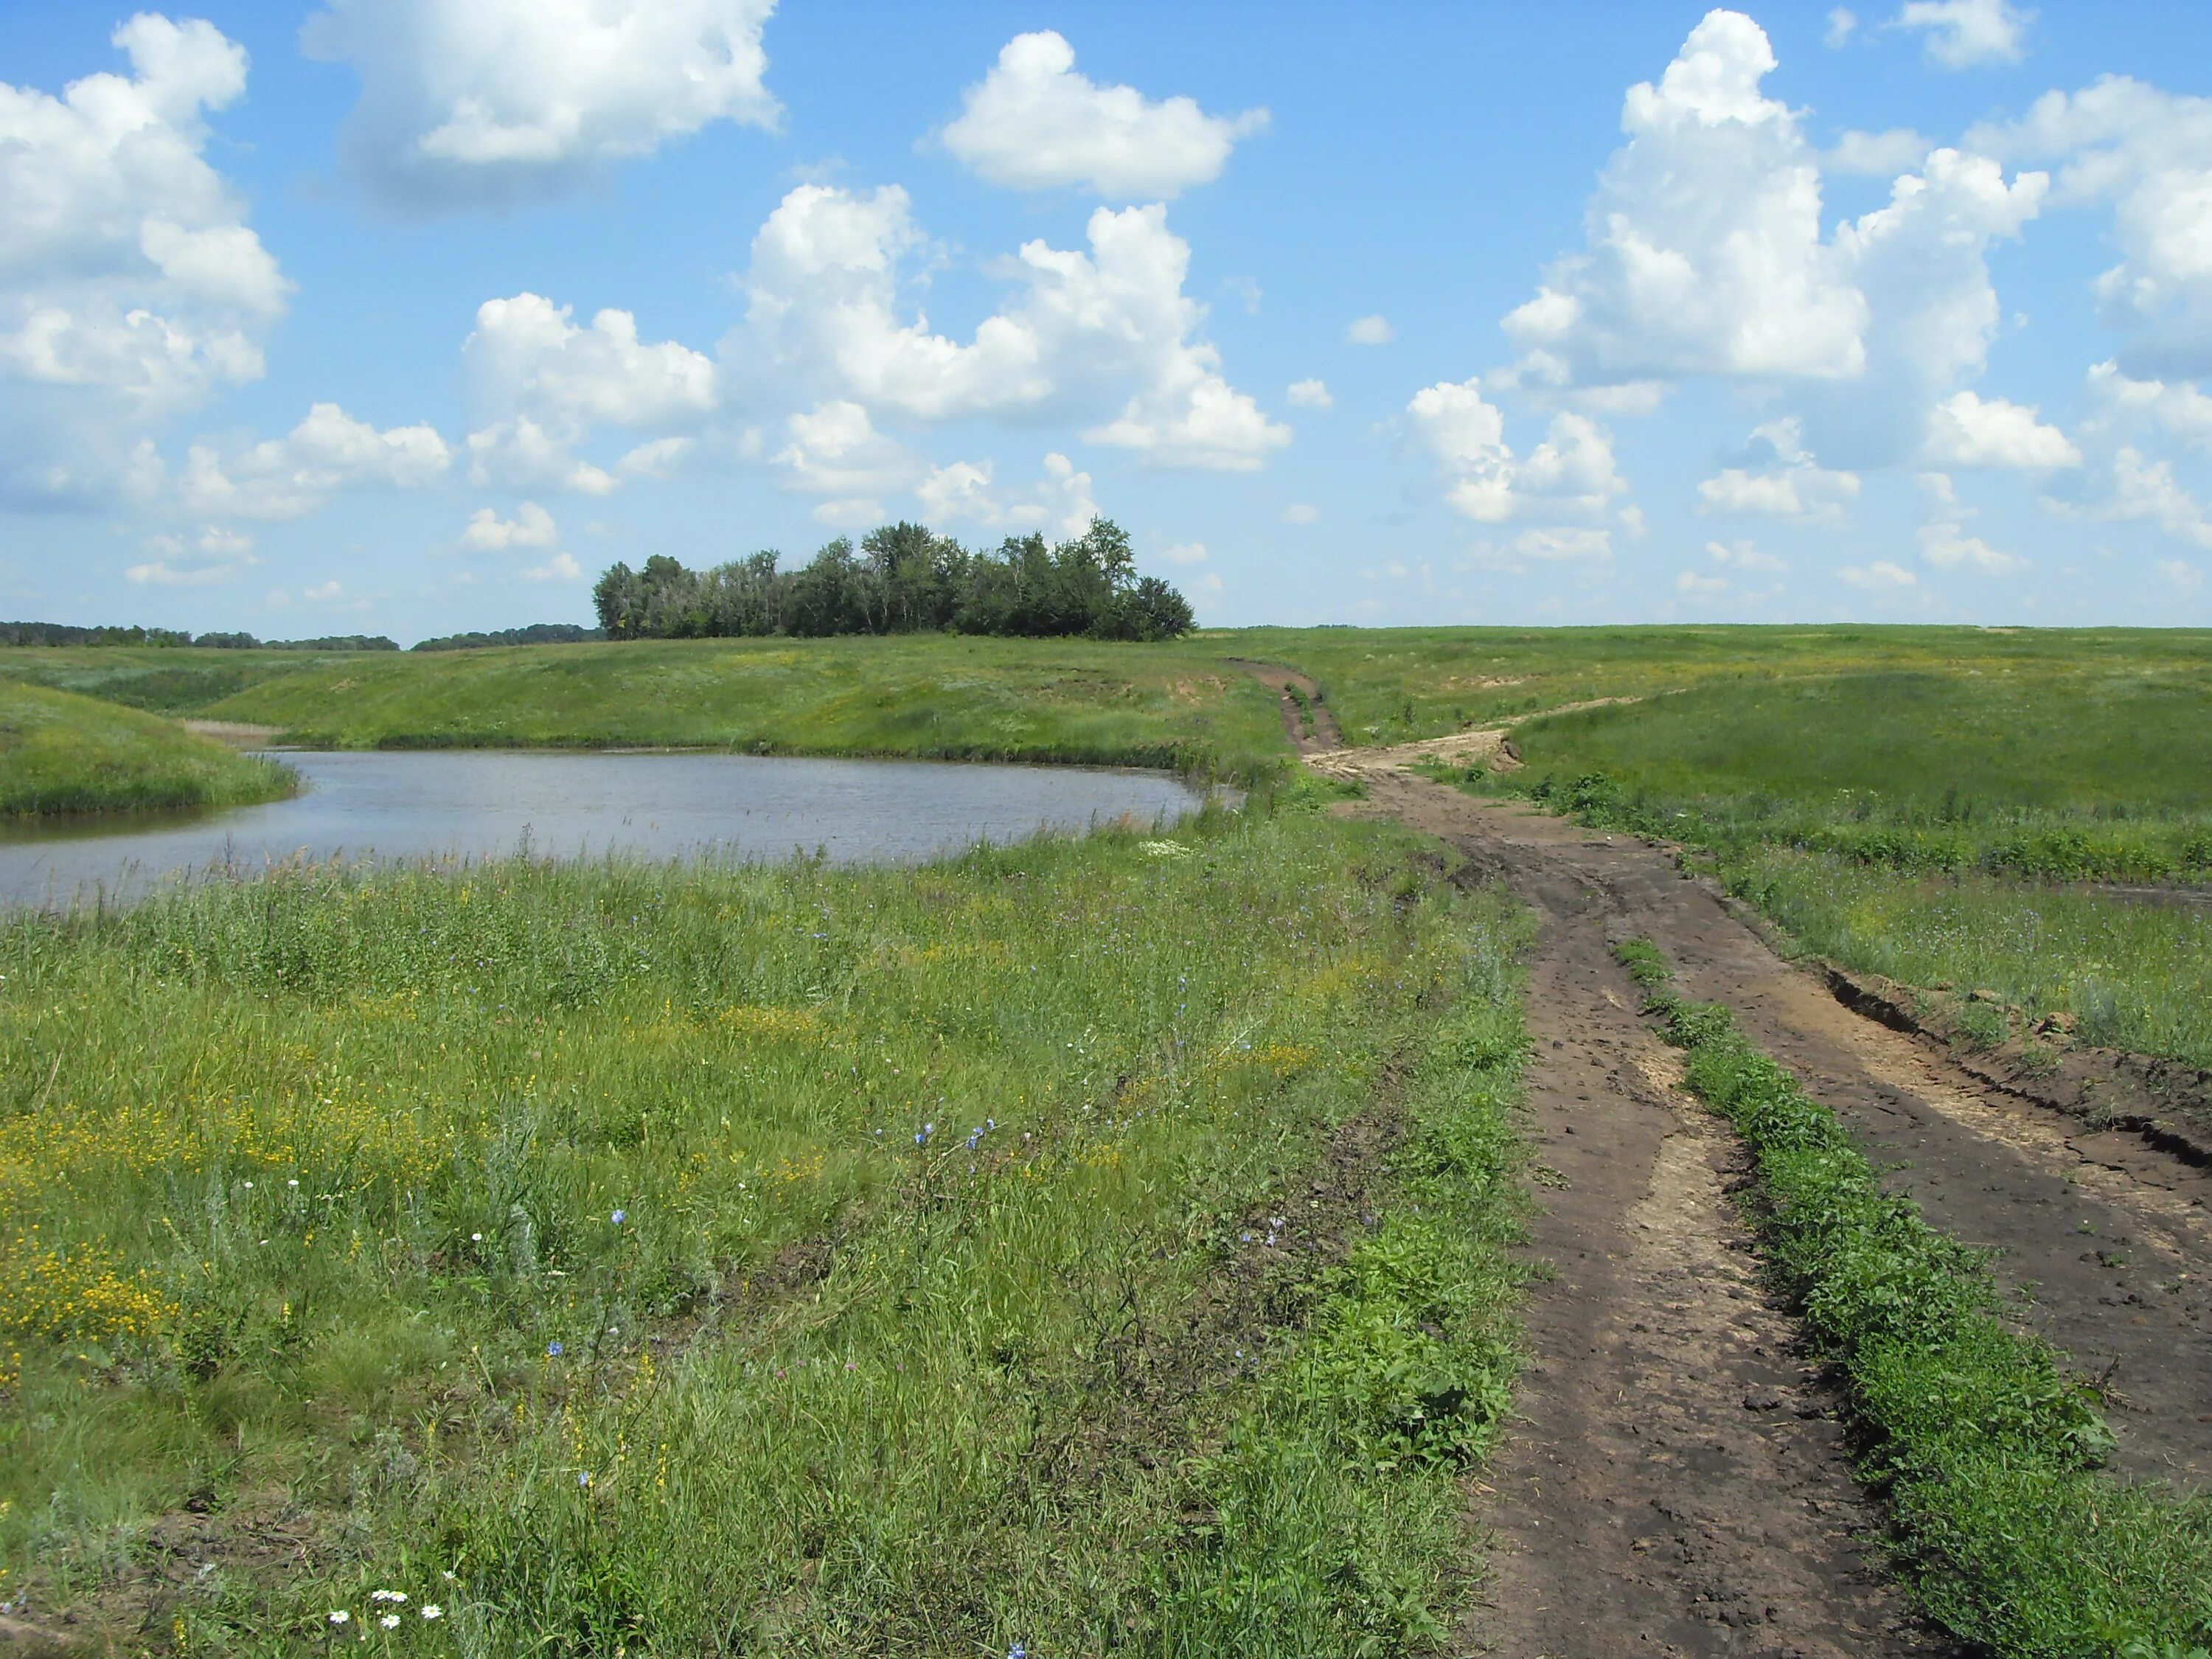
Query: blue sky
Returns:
{"type": "Point", "coordinates": [390, 315]}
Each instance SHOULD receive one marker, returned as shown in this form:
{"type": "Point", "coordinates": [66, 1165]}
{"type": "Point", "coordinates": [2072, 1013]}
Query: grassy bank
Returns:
{"type": "Point", "coordinates": [840, 1261]}
{"type": "Point", "coordinates": [60, 753]}
{"type": "Point", "coordinates": [1968, 1427]}
{"type": "Point", "coordinates": [1937, 828]}
{"type": "Point", "coordinates": [162, 680]}
{"type": "Point", "coordinates": [940, 696]}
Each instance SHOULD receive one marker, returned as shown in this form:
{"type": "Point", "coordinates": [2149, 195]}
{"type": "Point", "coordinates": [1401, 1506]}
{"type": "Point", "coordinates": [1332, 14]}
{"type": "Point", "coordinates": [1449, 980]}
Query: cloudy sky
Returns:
{"type": "Point", "coordinates": [409, 316]}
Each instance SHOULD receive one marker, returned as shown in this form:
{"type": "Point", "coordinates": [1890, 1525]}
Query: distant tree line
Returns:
{"type": "Point", "coordinates": [23, 633]}
{"type": "Point", "coordinates": [535, 634]}
{"type": "Point", "coordinates": [901, 579]}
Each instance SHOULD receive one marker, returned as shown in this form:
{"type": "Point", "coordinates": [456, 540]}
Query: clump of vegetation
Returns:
{"type": "Point", "coordinates": [535, 634]}
{"type": "Point", "coordinates": [59, 634]}
{"type": "Point", "coordinates": [60, 753]}
{"type": "Point", "coordinates": [1969, 1426]}
{"type": "Point", "coordinates": [792, 1258]}
{"type": "Point", "coordinates": [904, 579]}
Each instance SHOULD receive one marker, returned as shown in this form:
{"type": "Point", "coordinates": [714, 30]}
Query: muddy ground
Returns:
{"type": "Point", "coordinates": [1677, 1482]}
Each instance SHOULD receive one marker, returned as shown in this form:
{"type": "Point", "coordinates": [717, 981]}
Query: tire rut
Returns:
{"type": "Point", "coordinates": [1662, 1493]}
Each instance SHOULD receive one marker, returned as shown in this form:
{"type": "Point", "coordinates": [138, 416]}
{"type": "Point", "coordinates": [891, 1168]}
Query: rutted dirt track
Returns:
{"type": "Point", "coordinates": [1676, 1483]}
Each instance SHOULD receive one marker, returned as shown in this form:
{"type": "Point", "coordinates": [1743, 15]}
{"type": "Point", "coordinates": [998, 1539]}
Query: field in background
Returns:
{"type": "Point", "coordinates": [1960, 828]}
{"type": "Point", "coordinates": [61, 753]}
{"type": "Point", "coordinates": [1084, 1244]}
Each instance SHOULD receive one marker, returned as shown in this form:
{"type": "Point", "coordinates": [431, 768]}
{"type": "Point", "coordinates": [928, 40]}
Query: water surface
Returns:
{"type": "Point", "coordinates": [488, 803]}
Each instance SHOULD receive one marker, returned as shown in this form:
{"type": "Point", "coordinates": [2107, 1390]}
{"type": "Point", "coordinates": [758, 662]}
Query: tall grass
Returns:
{"type": "Point", "coordinates": [823, 1261]}
{"type": "Point", "coordinates": [61, 753]}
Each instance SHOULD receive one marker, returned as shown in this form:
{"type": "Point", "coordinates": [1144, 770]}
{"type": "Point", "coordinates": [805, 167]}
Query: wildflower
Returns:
{"type": "Point", "coordinates": [390, 1621]}
{"type": "Point", "coordinates": [293, 1182]}
{"type": "Point", "coordinates": [583, 1477]}
{"type": "Point", "coordinates": [476, 1238]}
{"type": "Point", "coordinates": [973, 1135]}
{"type": "Point", "coordinates": [922, 1138]}
{"type": "Point", "coordinates": [552, 1350]}
{"type": "Point", "coordinates": [432, 1610]}
{"type": "Point", "coordinates": [388, 1595]}
{"type": "Point", "coordinates": [619, 1217]}
{"type": "Point", "coordinates": [1017, 1651]}
{"type": "Point", "coordinates": [339, 1615]}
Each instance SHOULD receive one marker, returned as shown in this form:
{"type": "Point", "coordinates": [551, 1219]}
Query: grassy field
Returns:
{"type": "Point", "coordinates": [1089, 1245]}
{"type": "Point", "coordinates": [160, 680]}
{"type": "Point", "coordinates": [62, 753]}
{"type": "Point", "coordinates": [1390, 685]}
{"type": "Point", "coordinates": [935, 696]}
{"type": "Point", "coordinates": [1945, 829]}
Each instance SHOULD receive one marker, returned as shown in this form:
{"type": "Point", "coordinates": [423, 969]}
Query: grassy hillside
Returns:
{"type": "Point", "coordinates": [1946, 828]}
{"type": "Point", "coordinates": [791, 1260]}
{"type": "Point", "coordinates": [165, 680]}
{"type": "Point", "coordinates": [926, 695]}
{"type": "Point", "coordinates": [62, 753]}
{"type": "Point", "coordinates": [1387, 686]}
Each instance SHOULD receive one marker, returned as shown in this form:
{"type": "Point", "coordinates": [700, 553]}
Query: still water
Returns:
{"type": "Point", "coordinates": [479, 803]}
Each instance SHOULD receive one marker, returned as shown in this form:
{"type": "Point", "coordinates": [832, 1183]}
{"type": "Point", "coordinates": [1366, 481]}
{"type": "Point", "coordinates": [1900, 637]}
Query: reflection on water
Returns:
{"type": "Point", "coordinates": [479, 803]}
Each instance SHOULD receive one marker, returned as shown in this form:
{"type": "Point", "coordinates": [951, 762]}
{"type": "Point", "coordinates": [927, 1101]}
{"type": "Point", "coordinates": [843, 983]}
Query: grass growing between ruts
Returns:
{"type": "Point", "coordinates": [1985, 1450]}
{"type": "Point", "coordinates": [846, 1261]}
{"type": "Point", "coordinates": [61, 753]}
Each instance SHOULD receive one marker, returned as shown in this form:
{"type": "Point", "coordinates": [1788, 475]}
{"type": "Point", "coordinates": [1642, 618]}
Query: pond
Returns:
{"type": "Point", "coordinates": [484, 804]}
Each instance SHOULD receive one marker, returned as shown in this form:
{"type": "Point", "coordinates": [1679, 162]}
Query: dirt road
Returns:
{"type": "Point", "coordinates": [1676, 1483]}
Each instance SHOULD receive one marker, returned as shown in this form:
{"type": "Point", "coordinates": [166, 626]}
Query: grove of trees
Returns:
{"type": "Point", "coordinates": [901, 579]}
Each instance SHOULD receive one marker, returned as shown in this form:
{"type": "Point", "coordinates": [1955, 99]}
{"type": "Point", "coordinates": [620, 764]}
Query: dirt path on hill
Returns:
{"type": "Point", "coordinates": [1676, 1483]}
{"type": "Point", "coordinates": [1312, 729]}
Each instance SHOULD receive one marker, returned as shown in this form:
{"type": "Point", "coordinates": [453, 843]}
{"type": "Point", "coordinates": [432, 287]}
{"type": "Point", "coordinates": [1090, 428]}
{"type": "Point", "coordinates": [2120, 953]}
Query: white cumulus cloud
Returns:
{"type": "Point", "coordinates": [531, 527]}
{"type": "Point", "coordinates": [1060, 502]}
{"type": "Point", "coordinates": [1034, 123]}
{"type": "Point", "coordinates": [1882, 573]}
{"type": "Point", "coordinates": [1108, 336]}
{"type": "Point", "coordinates": [492, 101]}
{"type": "Point", "coordinates": [538, 386]}
{"type": "Point", "coordinates": [1944, 544]}
{"type": "Point", "coordinates": [1963, 34]}
{"type": "Point", "coordinates": [2176, 407]}
{"type": "Point", "coordinates": [1704, 255]}
{"type": "Point", "coordinates": [1778, 476]}
{"type": "Point", "coordinates": [1373, 330]}
{"type": "Point", "coordinates": [1185, 553]}
{"type": "Point", "coordinates": [1569, 473]}
{"type": "Point", "coordinates": [290, 477]}
{"type": "Point", "coordinates": [2148, 153]}
{"type": "Point", "coordinates": [1968, 430]}
{"type": "Point", "coordinates": [1311, 394]}
{"type": "Point", "coordinates": [130, 285]}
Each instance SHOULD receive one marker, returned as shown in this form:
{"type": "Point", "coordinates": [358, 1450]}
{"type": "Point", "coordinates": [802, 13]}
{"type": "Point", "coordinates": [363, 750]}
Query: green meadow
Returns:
{"type": "Point", "coordinates": [936, 695]}
{"type": "Point", "coordinates": [62, 753]}
{"type": "Point", "coordinates": [1956, 827]}
{"type": "Point", "coordinates": [1093, 1245]}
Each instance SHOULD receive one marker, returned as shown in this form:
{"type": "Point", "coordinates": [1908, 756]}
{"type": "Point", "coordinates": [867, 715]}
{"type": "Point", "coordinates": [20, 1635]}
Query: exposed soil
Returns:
{"type": "Point", "coordinates": [1312, 729]}
{"type": "Point", "coordinates": [1676, 1483]}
